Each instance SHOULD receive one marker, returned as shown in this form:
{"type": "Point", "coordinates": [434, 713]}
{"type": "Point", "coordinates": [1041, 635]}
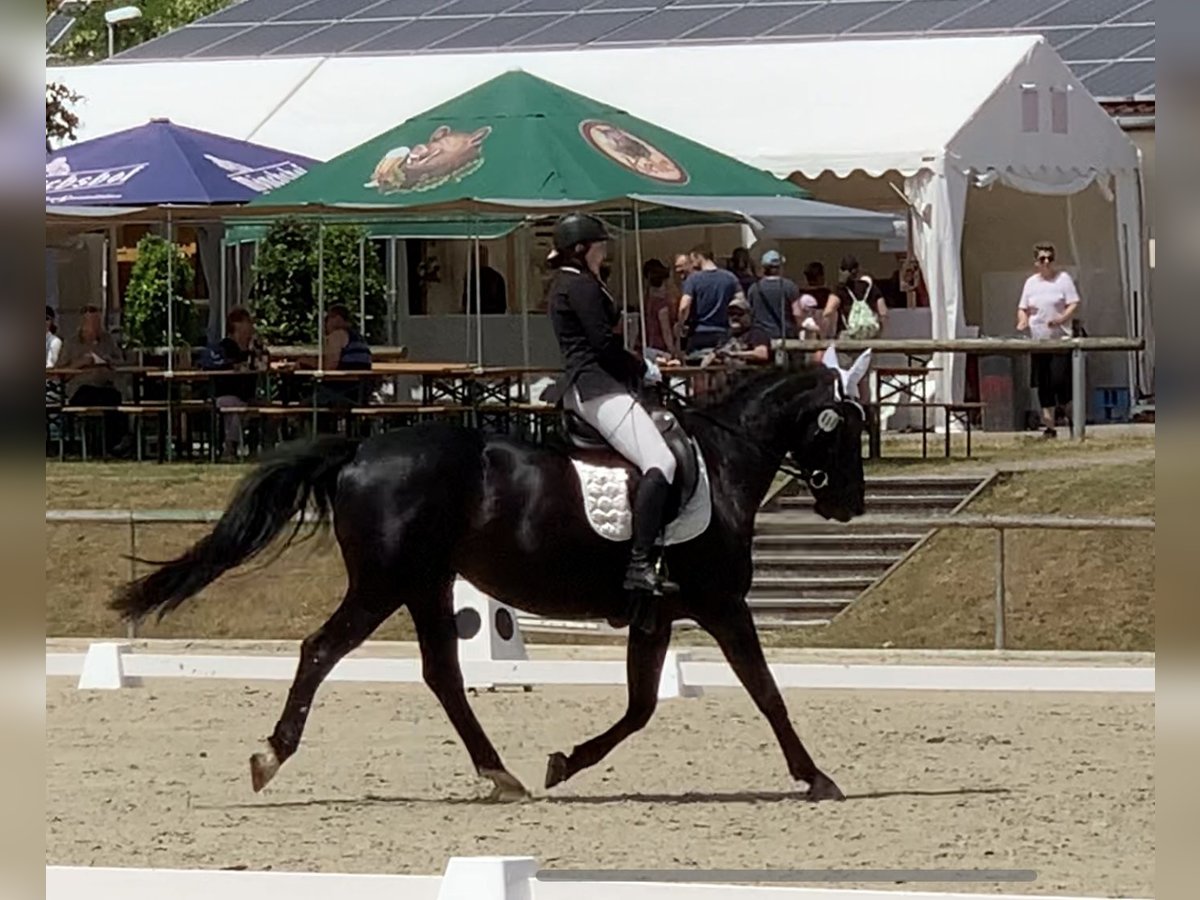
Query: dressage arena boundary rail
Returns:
{"type": "Point", "coordinates": [998, 524]}
{"type": "Point", "coordinates": [110, 665]}
{"type": "Point", "coordinates": [464, 878]}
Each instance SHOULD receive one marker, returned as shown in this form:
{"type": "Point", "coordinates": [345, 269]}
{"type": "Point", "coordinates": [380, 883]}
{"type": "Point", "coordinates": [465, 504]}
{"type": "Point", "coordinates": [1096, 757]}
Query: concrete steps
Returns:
{"type": "Point", "coordinates": [807, 569]}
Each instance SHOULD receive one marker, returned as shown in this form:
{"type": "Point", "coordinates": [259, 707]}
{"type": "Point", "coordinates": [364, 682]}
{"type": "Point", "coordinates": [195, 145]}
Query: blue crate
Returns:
{"type": "Point", "coordinates": [1110, 404]}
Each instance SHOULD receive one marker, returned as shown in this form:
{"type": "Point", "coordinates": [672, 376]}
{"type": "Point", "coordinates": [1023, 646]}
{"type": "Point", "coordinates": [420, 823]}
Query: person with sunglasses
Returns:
{"type": "Point", "coordinates": [1048, 303]}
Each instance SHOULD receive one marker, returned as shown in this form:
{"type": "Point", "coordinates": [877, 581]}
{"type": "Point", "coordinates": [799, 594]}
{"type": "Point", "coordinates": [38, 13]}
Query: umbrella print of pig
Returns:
{"type": "Point", "coordinates": [446, 155]}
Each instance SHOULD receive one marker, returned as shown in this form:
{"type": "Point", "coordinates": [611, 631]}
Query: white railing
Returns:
{"type": "Point", "coordinates": [513, 878]}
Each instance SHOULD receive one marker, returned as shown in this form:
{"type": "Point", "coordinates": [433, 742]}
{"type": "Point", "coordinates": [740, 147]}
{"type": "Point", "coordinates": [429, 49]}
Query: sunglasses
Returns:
{"type": "Point", "coordinates": [1045, 259]}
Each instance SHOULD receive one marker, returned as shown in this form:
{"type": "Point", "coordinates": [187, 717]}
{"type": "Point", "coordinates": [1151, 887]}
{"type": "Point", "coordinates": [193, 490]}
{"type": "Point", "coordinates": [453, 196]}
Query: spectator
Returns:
{"type": "Point", "coordinates": [93, 351]}
{"type": "Point", "coordinates": [345, 348]}
{"type": "Point", "coordinates": [345, 351]}
{"type": "Point", "coordinates": [775, 300]}
{"type": "Point", "coordinates": [857, 286]}
{"type": "Point", "coordinates": [683, 268]}
{"type": "Point", "coordinates": [742, 266]}
{"type": "Point", "coordinates": [704, 306]}
{"type": "Point", "coordinates": [660, 308]}
{"type": "Point", "coordinates": [237, 351]}
{"type": "Point", "coordinates": [748, 343]}
{"type": "Point", "coordinates": [1048, 305]}
{"type": "Point", "coordinates": [493, 292]}
{"type": "Point", "coordinates": [53, 341]}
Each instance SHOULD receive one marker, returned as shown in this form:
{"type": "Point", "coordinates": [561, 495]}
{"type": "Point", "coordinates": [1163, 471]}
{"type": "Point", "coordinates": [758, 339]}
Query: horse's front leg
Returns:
{"type": "Point", "coordinates": [732, 626]}
{"type": "Point", "coordinates": [645, 653]}
{"type": "Point", "coordinates": [433, 616]}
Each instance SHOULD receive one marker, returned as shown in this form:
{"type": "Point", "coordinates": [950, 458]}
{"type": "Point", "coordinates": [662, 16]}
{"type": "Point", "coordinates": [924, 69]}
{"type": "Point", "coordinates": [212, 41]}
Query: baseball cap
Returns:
{"type": "Point", "coordinates": [739, 303]}
{"type": "Point", "coordinates": [772, 258]}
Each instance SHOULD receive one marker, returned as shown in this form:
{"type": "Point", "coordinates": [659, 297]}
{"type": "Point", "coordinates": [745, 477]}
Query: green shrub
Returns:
{"type": "Point", "coordinates": [286, 280]}
{"type": "Point", "coordinates": [146, 295]}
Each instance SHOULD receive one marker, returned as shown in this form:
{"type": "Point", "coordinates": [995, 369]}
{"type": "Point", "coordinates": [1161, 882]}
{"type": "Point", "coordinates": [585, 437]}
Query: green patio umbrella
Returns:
{"type": "Point", "coordinates": [519, 140]}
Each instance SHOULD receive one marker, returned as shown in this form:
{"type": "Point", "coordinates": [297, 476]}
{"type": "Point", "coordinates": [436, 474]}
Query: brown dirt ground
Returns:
{"type": "Point", "coordinates": [156, 776]}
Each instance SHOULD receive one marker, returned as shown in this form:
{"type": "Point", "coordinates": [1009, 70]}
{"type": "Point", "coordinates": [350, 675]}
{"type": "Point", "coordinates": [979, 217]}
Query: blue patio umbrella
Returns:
{"type": "Point", "coordinates": [161, 162]}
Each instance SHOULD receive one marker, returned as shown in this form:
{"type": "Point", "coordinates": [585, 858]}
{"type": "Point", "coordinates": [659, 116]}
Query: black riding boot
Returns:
{"type": "Point", "coordinates": [642, 580]}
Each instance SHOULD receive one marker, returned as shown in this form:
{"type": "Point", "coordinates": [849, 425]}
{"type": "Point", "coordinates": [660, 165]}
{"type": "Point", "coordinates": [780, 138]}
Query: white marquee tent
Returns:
{"type": "Point", "coordinates": [991, 141]}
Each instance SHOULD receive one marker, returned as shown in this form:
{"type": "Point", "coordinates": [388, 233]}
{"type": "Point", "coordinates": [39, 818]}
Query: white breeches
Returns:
{"type": "Point", "coordinates": [627, 427]}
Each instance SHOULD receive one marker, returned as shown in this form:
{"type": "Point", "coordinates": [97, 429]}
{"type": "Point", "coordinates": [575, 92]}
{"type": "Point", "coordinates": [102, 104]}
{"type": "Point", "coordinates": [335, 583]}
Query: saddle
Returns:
{"type": "Point", "coordinates": [583, 437]}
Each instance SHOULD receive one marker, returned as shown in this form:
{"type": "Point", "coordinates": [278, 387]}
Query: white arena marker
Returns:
{"type": "Point", "coordinates": [488, 878]}
{"type": "Point", "coordinates": [102, 667]}
{"type": "Point", "coordinates": [671, 683]}
{"type": "Point", "coordinates": [487, 628]}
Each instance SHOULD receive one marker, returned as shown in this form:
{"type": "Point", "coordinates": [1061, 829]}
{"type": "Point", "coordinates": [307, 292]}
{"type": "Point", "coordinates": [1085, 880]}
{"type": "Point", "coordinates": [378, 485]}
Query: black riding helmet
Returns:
{"type": "Point", "coordinates": [577, 228]}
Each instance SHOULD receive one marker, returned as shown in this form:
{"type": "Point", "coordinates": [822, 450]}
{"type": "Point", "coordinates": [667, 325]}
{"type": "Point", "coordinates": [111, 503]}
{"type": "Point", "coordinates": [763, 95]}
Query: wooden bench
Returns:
{"type": "Point", "coordinates": [964, 413]}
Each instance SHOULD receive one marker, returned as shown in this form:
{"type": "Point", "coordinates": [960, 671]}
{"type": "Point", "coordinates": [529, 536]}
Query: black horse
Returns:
{"type": "Point", "coordinates": [414, 507]}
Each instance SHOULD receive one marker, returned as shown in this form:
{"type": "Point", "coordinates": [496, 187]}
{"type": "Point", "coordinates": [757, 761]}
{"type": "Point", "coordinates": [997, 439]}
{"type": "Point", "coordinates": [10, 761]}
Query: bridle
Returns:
{"type": "Point", "coordinates": [827, 420]}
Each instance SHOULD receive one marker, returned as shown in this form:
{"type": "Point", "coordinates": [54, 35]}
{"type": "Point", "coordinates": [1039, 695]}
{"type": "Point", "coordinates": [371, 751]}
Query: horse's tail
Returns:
{"type": "Point", "coordinates": [281, 488]}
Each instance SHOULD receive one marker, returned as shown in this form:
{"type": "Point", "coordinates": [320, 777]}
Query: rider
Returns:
{"type": "Point", "coordinates": [599, 383]}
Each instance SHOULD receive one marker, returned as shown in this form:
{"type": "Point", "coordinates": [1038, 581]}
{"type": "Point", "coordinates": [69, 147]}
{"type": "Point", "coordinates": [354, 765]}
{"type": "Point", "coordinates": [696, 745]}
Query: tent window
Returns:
{"type": "Point", "coordinates": [1029, 109]}
{"type": "Point", "coordinates": [1058, 110]}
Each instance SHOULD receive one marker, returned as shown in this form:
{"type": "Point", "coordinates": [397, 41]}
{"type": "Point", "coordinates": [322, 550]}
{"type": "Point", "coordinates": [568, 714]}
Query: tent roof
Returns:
{"type": "Point", "coordinates": [839, 106]}
{"type": "Point", "coordinates": [524, 138]}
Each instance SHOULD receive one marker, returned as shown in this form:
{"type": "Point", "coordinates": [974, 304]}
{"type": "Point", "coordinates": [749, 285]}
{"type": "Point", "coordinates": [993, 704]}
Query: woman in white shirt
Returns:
{"type": "Point", "coordinates": [53, 341]}
{"type": "Point", "coordinates": [1048, 303]}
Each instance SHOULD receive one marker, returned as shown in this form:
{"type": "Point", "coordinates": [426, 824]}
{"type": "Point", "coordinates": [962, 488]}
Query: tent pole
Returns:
{"type": "Point", "coordinates": [170, 295]}
{"type": "Point", "coordinates": [362, 284]}
{"type": "Point", "coordinates": [224, 286]}
{"type": "Point", "coordinates": [320, 297]}
{"type": "Point", "coordinates": [637, 244]}
{"type": "Point", "coordinates": [478, 304]}
{"type": "Point", "coordinates": [523, 289]}
{"type": "Point", "coordinates": [624, 283]}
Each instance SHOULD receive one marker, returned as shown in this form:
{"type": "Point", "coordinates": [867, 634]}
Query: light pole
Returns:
{"type": "Point", "coordinates": [114, 17]}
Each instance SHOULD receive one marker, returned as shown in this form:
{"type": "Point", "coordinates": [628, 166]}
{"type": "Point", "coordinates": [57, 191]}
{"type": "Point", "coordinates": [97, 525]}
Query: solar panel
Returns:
{"type": "Point", "coordinates": [996, 14]}
{"type": "Point", "coordinates": [320, 10]}
{"type": "Point", "coordinates": [256, 41]}
{"type": "Point", "coordinates": [578, 29]}
{"type": "Point", "coordinates": [1146, 52]}
{"type": "Point", "coordinates": [1108, 43]}
{"type": "Point", "coordinates": [183, 42]}
{"type": "Point", "coordinates": [644, 5]}
{"type": "Point", "coordinates": [1122, 79]}
{"type": "Point", "coordinates": [58, 26]}
{"type": "Point", "coordinates": [417, 34]}
{"type": "Point", "coordinates": [398, 9]}
{"type": "Point", "coordinates": [834, 18]}
{"type": "Point", "coordinates": [1143, 13]}
{"type": "Point", "coordinates": [253, 12]}
{"type": "Point", "coordinates": [334, 38]}
{"type": "Point", "coordinates": [558, 6]}
{"type": "Point", "coordinates": [496, 32]}
{"type": "Point", "coordinates": [663, 25]}
{"type": "Point", "coordinates": [920, 15]}
{"type": "Point", "coordinates": [1083, 12]}
{"type": "Point", "coordinates": [475, 7]}
{"type": "Point", "coordinates": [750, 21]}
{"type": "Point", "coordinates": [1056, 37]}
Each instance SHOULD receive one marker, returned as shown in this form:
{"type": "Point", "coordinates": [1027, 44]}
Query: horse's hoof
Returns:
{"type": "Point", "coordinates": [823, 788]}
{"type": "Point", "coordinates": [263, 767]}
{"type": "Point", "coordinates": [558, 769]}
{"type": "Point", "coordinates": [505, 788]}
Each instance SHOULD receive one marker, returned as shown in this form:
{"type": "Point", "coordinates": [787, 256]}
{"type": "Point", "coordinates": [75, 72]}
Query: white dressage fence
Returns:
{"type": "Point", "coordinates": [109, 665]}
{"type": "Point", "coordinates": [465, 878]}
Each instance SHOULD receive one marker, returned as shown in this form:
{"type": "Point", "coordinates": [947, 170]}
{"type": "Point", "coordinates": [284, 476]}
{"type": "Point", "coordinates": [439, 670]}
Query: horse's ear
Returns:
{"type": "Point", "coordinates": [857, 370]}
{"type": "Point", "coordinates": [830, 359]}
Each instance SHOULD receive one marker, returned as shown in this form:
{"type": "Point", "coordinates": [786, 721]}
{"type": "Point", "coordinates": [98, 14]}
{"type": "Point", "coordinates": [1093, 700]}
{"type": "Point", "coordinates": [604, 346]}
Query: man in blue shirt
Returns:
{"type": "Point", "coordinates": [704, 306]}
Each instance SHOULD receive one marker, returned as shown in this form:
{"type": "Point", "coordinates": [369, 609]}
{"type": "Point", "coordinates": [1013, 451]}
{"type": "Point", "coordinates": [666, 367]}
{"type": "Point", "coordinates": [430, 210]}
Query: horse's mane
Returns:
{"type": "Point", "coordinates": [748, 384]}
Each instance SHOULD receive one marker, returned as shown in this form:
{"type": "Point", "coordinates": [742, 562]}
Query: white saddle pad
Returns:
{"type": "Point", "coordinates": [606, 503]}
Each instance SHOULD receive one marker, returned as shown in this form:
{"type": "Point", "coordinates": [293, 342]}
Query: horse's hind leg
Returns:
{"type": "Point", "coordinates": [643, 668]}
{"type": "Point", "coordinates": [732, 626]}
{"type": "Point", "coordinates": [359, 614]}
{"type": "Point", "coordinates": [433, 615]}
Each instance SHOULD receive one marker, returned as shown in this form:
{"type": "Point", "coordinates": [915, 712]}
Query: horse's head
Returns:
{"type": "Point", "coordinates": [828, 445]}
